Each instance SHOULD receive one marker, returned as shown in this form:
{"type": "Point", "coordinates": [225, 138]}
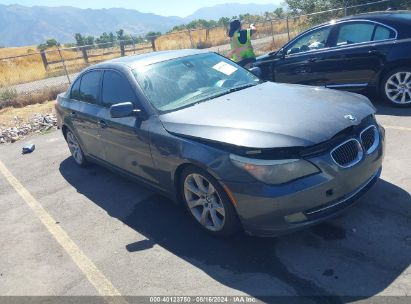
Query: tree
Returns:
{"type": "Point", "coordinates": [48, 44]}
{"type": "Point", "coordinates": [279, 13]}
{"type": "Point", "coordinates": [89, 40]}
{"type": "Point", "coordinates": [152, 35]}
{"type": "Point", "coordinates": [51, 42]}
{"type": "Point", "coordinates": [223, 21]}
{"type": "Point", "coordinates": [42, 47]}
{"type": "Point", "coordinates": [298, 7]}
{"type": "Point", "coordinates": [120, 34]}
{"type": "Point", "coordinates": [80, 40]}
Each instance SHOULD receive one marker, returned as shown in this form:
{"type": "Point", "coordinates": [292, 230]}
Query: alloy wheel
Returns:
{"type": "Point", "coordinates": [74, 148]}
{"type": "Point", "coordinates": [204, 202]}
{"type": "Point", "coordinates": [398, 88]}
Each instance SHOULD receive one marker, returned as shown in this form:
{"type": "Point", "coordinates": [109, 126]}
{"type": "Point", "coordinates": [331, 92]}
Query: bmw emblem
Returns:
{"type": "Point", "coordinates": [350, 117]}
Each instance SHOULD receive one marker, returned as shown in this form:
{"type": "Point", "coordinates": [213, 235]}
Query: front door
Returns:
{"type": "Point", "coordinates": [301, 57]}
{"type": "Point", "coordinates": [125, 140]}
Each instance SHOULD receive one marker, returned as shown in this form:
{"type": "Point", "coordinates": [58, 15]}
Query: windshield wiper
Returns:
{"type": "Point", "coordinates": [235, 89]}
{"type": "Point", "coordinates": [242, 87]}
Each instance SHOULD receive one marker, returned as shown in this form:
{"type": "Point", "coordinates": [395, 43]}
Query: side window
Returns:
{"type": "Point", "coordinates": [116, 89]}
{"type": "Point", "coordinates": [314, 40]}
{"type": "Point", "coordinates": [75, 90]}
{"type": "Point", "coordinates": [89, 87]}
{"type": "Point", "coordinates": [383, 33]}
{"type": "Point", "coordinates": [355, 33]}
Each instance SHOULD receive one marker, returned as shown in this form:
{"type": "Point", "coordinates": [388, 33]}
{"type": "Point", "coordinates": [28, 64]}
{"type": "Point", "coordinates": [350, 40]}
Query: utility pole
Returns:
{"type": "Point", "coordinates": [345, 7]}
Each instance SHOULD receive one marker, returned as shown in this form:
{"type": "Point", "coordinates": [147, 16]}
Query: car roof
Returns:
{"type": "Point", "coordinates": [135, 61]}
{"type": "Point", "coordinates": [399, 20]}
{"type": "Point", "coordinates": [381, 16]}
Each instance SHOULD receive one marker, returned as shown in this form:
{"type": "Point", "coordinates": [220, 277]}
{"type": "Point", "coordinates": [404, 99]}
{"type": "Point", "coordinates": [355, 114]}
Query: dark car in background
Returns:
{"type": "Point", "coordinates": [367, 53]}
{"type": "Point", "coordinates": [238, 152]}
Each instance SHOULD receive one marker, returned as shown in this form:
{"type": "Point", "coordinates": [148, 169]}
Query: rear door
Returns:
{"type": "Point", "coordinates": [125, 140]}
{"type": "Point", "coordinates": [358, 52]}
{"type": "Point", "coordinates": [85, 109]}
{"type": "Point", "coordinates": [299, 64]}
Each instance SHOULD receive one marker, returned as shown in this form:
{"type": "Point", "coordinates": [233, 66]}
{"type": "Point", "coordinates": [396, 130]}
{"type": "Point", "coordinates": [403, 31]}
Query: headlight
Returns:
{"type": "Point", "coordinates": [275, 171]}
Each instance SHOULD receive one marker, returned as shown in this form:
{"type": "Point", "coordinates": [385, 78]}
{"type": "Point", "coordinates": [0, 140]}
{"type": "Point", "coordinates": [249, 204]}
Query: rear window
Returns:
{"type": "Point", "coordinates": [382, 33]}
{"type": "Point", "coordinates": [75, 90]}
{"type": "Point", "coordinates": [355, 33]}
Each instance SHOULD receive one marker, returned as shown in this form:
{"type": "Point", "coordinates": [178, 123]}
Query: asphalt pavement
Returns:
{"type": "Point", "coordinates": [68, 231]}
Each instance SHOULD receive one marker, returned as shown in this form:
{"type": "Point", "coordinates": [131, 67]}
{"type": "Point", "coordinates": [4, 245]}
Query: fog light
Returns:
{"type": "Point", "coordinates": [296, 217]}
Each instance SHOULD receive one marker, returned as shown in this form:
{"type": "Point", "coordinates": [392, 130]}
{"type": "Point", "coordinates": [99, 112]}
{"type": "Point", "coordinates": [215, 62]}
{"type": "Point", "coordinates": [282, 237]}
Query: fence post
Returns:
{"type": "Point", "coordinates": [153, 43]}
{"type": "Point", "coordinates": [191, 39]}
{"type": "Point", "coordinates": [288, 29]}
{"type": "Point", "coordinates": [64, 64]}
{"type": "Point", "coordinates": [272, 32]}
{"type": "Point", "coordinates": [44, 59]}
{"type": "Point", "coordinates": [122, 50]}
{"type": "Point", "coordinates": [345, 7]}
{"type": "Point", "coordinates": [85, 56]}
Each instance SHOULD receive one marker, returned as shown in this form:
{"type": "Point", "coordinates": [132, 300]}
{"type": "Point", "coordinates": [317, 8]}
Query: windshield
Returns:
{"type": "Point", "coordinates": [182, 82]}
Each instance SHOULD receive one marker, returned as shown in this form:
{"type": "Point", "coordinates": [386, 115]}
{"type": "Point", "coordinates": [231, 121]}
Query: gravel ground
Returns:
{"type": "Point", "coordinates": [38, 123]}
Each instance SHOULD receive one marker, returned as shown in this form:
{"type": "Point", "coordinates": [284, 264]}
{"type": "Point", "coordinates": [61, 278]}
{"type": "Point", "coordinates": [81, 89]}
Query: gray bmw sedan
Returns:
{"type": "Point", "coordinates": [238, 152]}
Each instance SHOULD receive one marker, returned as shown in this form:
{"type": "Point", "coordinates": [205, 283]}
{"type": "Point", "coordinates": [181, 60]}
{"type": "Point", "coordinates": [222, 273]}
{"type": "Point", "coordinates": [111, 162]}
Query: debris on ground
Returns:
{"type": "Point", "coordinates": [28, 148]}
{"type": "Point", "coordinates": [36, 124]}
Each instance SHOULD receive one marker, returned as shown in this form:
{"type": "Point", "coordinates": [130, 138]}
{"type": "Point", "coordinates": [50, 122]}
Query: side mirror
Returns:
{"type": "Point", "coordinates": [280, 54]}
{"type": "Point", "coordinates": [124, 109]}
{"type": "Point", "coordinates": [256, 71]}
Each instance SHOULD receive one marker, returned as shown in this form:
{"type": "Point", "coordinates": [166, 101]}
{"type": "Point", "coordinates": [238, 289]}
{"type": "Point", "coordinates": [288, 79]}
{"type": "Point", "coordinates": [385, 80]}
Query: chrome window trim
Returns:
{"type": "Point", "coordinates": [346, 45]}
{"type": "Point", "coordinates": [354, 162]}
{"type": "Point", "coordinates": [347, 85]}
{"type": "Point", "coordinates": [376, 139]}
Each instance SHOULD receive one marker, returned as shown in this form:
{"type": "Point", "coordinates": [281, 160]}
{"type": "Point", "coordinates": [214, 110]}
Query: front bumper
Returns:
{"type": "Point", "coordinates": [272, 210]}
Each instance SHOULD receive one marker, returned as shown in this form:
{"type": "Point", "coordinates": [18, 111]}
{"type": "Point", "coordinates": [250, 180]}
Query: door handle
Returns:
{"type": "Point", "coordinates": [312, 59]}
{"type": "Point", "coordinates": [73, 114]}
{"type": "Point", "coordinates": [102, 124]}
{"type": "Point", "coordinates": [373, 51]}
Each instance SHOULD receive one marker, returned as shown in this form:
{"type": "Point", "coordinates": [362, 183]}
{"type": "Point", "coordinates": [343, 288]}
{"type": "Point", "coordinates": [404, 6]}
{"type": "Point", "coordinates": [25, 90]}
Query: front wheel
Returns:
{"type": "Point", "coordinates": [396, 87]}
{"type": "Point", "coordinates": [208, 203]}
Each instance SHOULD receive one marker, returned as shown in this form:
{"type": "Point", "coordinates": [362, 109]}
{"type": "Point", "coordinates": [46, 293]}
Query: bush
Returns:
{"type": "Point", "coordinates": [10, 98]}
{"type": "Point", "coordinates": [203, 45]}
{"type": "Point", "coordinates": [8, 94]}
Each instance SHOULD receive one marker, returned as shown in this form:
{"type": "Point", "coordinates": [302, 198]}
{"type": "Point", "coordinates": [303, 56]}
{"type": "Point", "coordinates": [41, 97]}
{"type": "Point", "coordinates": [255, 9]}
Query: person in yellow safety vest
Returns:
{"type": "Point", "coordinates": [242, 50]}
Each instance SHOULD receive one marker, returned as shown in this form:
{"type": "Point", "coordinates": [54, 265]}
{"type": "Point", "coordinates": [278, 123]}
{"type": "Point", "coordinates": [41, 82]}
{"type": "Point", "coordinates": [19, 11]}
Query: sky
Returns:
{"type": "Point", "coordinates": [180, 8]}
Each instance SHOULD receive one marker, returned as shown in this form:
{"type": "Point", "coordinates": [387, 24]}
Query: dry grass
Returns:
{"type": "Point", "coordinates": [8, 115]}
{"type": "Point", "coordinates": [35, 97]}
{"type": "Point", "coordinates": [30, 68]}
{"type": "Point", "coordinates": [17, 51]}
{"type": "Point", "coordinates": [199, 39]}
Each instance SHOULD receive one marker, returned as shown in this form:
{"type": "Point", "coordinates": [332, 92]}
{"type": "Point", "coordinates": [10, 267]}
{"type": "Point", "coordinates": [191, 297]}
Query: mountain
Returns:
{"type": "Point", "coordinates": [229, 10]}
{"type": "Point", "coordinates": [21, 25]}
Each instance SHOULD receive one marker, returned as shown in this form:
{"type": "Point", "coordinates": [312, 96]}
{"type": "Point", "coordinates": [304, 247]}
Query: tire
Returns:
{"type": "Point", "coordinates": [75, 149]}
{"type": "Point", "coordinates": [396, 87]}
{"type": "Point", "coordinates": [207, 203]}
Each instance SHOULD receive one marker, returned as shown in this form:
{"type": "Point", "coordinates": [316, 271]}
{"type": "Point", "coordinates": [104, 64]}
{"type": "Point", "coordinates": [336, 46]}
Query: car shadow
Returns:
{"type": "Point", "coordinates": [355, 255]}
{"type": "Point", "coordinates": [383, 108]}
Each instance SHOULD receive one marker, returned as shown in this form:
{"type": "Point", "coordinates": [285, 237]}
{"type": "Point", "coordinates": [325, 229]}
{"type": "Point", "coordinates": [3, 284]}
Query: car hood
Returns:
{"type": "Point", "coordinates": [270, 115]}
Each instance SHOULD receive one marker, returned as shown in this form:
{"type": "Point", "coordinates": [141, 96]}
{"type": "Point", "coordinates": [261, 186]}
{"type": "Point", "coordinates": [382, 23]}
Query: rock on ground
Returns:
{"type": "Point", "coordinates": [36, 124]}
